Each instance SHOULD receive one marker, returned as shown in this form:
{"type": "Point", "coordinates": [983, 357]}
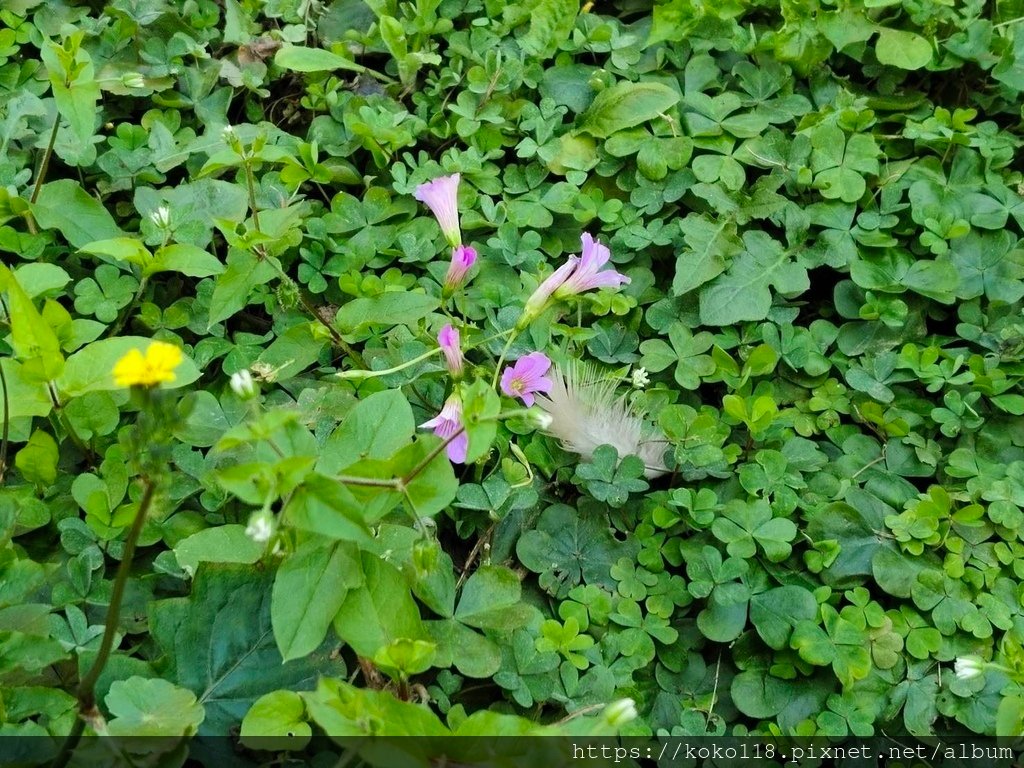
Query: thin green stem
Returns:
{"type": "Point", "coordinates": [44, 166]}
{"type": "Point", "coordinates": [373, 482]}
{"type": "Point", "coordinates": [250, 181]}
{"type": "Point", "coordinates": [504, 353]}
{"type": "Point", "coordinates": [7, 425]}
{"type": "Point", "coordinates": [58, 410]}
{"type": "Point", "coordinates": [356, 373]}
{"type": "Point", "coordinates": [86, 693]}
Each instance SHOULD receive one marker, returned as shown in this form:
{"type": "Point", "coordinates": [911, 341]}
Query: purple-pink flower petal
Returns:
{"type": "Point", "coordinates": [463, 258]}
{"type": "Point", "coordinates": [539, 299]}
{"type": "Point", "coordinates": [447, 423]}
{"type": "Point", "coordinates": [441, 196]}
{"type": "Point", "coordinates": [587, 277]}
{"type": "Point", "coordinates": [448, 339]}
{"type": "Point", "coordinates": [526, 377]}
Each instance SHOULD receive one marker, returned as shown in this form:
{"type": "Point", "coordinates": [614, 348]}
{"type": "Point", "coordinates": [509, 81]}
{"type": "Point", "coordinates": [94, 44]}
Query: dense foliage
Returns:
{"type": "Point", "coordinates": [818, 208]}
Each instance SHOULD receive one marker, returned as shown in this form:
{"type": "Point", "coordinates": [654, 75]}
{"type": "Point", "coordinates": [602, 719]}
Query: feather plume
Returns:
{"type": "Point", "coordinates": [587, 413]}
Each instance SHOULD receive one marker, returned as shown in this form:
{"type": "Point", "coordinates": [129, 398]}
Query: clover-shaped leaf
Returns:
{"type": "Point", "coordinates": [609, 480]}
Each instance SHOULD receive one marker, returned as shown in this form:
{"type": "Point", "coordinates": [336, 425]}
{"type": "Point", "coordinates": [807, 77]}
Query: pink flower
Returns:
{"type": "Point", "coordinates": [463, 257]}
{"type": "Point", "coordinates": [526, 377]}
{"type": "Point", "coordinates": [448, 338]}
{"type": "Point", "coordinates": [448, 423]}
{"type": "Point", "coordinates": [586, 276]}
{"type": "Point", "coordinates": [539, 299]}
{"type": "Point", "coordinates": [441, 196]}
{"type": "Point", "coordinates": [578, 274]}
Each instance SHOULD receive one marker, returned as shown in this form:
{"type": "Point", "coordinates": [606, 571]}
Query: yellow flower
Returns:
{"type": "Point", "coordinates": [157, 365]}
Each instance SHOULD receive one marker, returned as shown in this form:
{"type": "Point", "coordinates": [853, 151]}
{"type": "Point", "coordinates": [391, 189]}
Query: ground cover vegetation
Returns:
{"type": "Point", "coordinates": [479, 367]}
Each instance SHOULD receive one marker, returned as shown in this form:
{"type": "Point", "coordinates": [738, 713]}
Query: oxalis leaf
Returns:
{"type": "Point", "coordinates": [625, 105]}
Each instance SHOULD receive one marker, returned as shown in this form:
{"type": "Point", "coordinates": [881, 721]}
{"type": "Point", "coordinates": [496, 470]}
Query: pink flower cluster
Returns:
{"type": "Point", "coordinates": [529, 375]}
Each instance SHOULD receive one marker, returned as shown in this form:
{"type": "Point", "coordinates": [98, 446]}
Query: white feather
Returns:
{"type": "Point", "coordinates": [586, 413]}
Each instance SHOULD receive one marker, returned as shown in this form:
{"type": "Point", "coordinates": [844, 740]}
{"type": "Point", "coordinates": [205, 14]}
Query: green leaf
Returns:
{"type": "Point", "coordinates": [491, 600]}
{"type": "Point", "coordinates": [63, 205]}
{"type": "Point", "coordinates": [471, 653]}
{"type": "Point", "coordinates": [33, 339]}
{"type": "Point", "coordinates": [37, 461]}
{"type": "Point", "coordinates": [301, 59]}
{"type": "Point", "coordinates": [341, 709]}
{"type": "Point", "coordinates": [711, 246]}
{"type": "Point", "coordinates": [375, 428]}
{"type": "Point", "coordinates": [91, 368]}
{"type": "Point", "coordinates": [218, 643]}
{"type": "Point", "coordinates": [310, 588]}
{"type": "Point", "coordinates": [776, 612]}
{"type": "Point", "coordinates": [243, 273]}
{"type": "Point", "coordinates": [388, 310]}
{"type": "Point", "coordinates": [221, 544]}
{"type": "Point", "coordinates": [186, 259]}
{"type": "Point", "coordinates": [378, 611]}
{"type": "Point", "coordinates": [625, 105]}
{"type": "Point", "coordinates": [899, 48]}
{"type": "Point", "coordinates": [551, 23]}
{"type": "Point", "coordinates": [743, 293]}
{"type": "Point", "coordinates": [480, 408]}
{"type": "Point", "coordinates": [152, 707]}
{"type": "Point", "coordinates": [277, 714]}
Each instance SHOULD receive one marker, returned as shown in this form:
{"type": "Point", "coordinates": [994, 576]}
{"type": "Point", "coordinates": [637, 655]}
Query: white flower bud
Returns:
{"type": "Point", "coordinates": [541, 419]}
{"type": "Point", "coordinates": [133, 80]}
{"type": "Point", "coordinates": [620, 712]}
{"type": "Point", "coordinates": [968, 667]}
{"type": "Point", "coordinates": [161, 217]}
{"type": "Point", "coordinates": [243, 385]}
{"type": "Point", "coordinates": [640, 378]}
{"type": "Point", "coordinates": [260, 527]}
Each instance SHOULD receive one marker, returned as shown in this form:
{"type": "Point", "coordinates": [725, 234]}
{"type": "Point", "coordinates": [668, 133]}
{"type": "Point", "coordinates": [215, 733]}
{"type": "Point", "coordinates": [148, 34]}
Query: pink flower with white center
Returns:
{"type": "Point", "coordinates": [448, 338]}
{"type": "Point", "coordinates": [441, 196]}
{"type": "Point", "coordinates": [587, 276]}
{"type": "Point", "coordinates": [447, 423]}
{"type": "Point", "coordinates": [526, 377]}
{"type": "Point", "coordinates": [463, 257]}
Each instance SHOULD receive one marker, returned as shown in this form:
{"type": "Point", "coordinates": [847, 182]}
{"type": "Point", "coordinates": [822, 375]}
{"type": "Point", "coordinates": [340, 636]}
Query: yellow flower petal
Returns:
{"type": "Point", "coordinates": [156, 366]}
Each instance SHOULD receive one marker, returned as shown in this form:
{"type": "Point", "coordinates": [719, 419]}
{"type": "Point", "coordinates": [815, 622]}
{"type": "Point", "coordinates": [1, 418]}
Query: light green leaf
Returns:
{"type": "Point", "coordinates": [152, 707]}
{"type": "Point", "coordinates": [899, 48]}
{"type": "Point", "coordinates": [91, 368]}
{"type": "Point", "coordinates": [220, 544]}
{"type": "Point", "coordinates": [625, 105]}
{"type": "Point", "coordinates": [301, 59]}
{"type": "Point", "coordinates": [310, 588]}
{"type": "Point", "coordinates": [63, 205]}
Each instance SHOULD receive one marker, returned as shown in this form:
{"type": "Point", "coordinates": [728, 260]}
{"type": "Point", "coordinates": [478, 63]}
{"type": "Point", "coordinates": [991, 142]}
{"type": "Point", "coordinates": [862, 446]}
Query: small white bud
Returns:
{"type": "Point", "coordinates": [541, 419]}
{"type": "Point", "coordinates": [640, 378]}
{"type": "Point", "coordinates": [161, 217]}
{"type": "Point", "coordinates": [260, 527]}
{"type": "Point", "coordinates": [620, 712]}
{"type": "Point", "coordinates": [243, 385]}
{"type": "Point", "coordinates": [968, 667]}
{"type": "Point", "coordinates": [133, 80]}
{"type": "Point", "coordinates": [227, 133]}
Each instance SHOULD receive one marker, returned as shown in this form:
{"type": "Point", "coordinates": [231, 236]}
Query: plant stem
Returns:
{"type": "Point", "coordinates": [45, 164]}
{"type": "Point", "coordinates": [86, 693]}
{"type": "Point", "coordinates": [504, 353]}
{"type": "Point", "coordinates": [7, 425]}
{"type": "Point", "coordinates": [66, 423]}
